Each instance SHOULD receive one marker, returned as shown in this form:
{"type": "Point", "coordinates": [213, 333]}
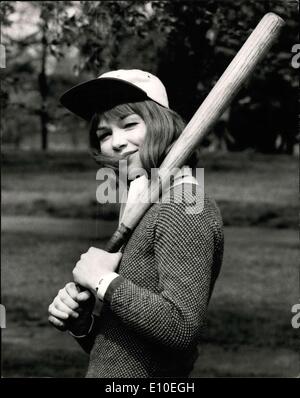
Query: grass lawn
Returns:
{"type": "Point", "coordinates": [248, 331]}
{"type": "Point", "coordinates": [251, 189]}
{"type": "Point", "coordinates": [48, 220]}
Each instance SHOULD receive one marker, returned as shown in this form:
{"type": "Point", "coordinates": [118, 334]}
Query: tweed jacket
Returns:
{"type": "Point", "coordinates": [153, 312]}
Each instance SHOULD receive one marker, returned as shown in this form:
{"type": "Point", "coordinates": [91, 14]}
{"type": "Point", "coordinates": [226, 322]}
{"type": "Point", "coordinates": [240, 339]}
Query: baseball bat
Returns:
{"type": "Point", "coordinates": [219, 98]}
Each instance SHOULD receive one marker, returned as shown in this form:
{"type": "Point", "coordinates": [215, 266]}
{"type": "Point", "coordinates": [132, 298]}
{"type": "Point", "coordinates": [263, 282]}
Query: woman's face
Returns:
{"type": "Point", "coordinates": [123, 136]}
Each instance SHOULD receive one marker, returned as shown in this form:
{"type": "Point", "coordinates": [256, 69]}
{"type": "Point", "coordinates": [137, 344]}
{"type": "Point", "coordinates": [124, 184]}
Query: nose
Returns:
{"type": "Point", "coordinates": [118, 139]}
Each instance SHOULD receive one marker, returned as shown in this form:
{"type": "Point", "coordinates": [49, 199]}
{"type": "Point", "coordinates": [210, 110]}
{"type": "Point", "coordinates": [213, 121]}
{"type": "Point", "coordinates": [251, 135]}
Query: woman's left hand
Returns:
{"type": "Point", "coordinates": [93, 265]}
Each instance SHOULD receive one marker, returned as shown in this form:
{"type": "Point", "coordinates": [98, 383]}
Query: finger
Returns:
{"type": "Point", "coordinates": [72, 290]}
{"type": "Point", "coordinates": [95, 249]}
{"type": "Point", "coordinates": [60, 306]}
{"type": "Point", "coordinates": [57, 313]}
{"type": "Point", "coordinates": [56, 322]}
{"type": "Point", "coordinates": [84, 296]}
{"type": "Point", "coordinates": [67, 299]}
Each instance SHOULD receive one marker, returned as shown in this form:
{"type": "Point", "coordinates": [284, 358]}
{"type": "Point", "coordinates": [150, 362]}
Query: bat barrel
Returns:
{"type": "Point", "coordinates": [238, 71]}
{"type": "Point", "coordinates": [240, 68]}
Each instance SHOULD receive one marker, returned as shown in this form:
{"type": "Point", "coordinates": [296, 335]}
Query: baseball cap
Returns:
{"type": "Point", "coordinates": [111, 89]}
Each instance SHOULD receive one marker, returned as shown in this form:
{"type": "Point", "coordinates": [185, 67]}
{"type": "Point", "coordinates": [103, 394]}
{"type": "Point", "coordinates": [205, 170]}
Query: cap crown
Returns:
{"type": "Point", "coordinates": [147, 82]}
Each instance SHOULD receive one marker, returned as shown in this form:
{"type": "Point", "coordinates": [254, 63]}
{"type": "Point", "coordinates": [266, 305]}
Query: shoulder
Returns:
{"type": "Point", "coordinates": [188, 205]}
{"type": "Point", "coordinates": [189, 199]}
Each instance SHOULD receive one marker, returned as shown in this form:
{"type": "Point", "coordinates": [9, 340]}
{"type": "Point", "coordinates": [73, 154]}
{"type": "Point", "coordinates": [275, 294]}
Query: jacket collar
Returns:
{"type": "Point", "coordinates": [184, 175]}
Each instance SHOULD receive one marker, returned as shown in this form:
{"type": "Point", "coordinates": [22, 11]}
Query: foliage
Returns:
{"type": "Point", "coordinates": [108, 27]}
{"type": "Point", "coordinates": [204, 37]}
{"type": "Point", "coordinates": [6, 9]}
{"type": "Point", "coordinates": [188, 44]}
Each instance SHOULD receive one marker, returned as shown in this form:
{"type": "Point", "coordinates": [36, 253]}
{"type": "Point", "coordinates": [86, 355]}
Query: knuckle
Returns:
{"type": "Point", "coordinates": [70, 289]}
{"type": "Point", "coordinates": [69, 286]}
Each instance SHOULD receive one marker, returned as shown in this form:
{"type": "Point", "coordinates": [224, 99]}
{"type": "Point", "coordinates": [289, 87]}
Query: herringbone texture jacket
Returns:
{"type": "Point", "coordinates": [154, 311]}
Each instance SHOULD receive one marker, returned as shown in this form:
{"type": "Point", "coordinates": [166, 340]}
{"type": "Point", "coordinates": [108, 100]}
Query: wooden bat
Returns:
{"type": "Point", "coordinates": [240, 68]}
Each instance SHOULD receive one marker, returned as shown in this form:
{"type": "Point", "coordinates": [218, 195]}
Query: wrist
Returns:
{"type": "Point", "coordinates": [104, 283]}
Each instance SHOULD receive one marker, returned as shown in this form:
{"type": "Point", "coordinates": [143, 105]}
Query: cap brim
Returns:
{"type": "Point", "coordinates": [99, 95]}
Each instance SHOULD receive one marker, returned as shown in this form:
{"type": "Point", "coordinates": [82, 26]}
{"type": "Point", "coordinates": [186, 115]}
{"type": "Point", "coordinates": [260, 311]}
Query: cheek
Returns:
{"type": "Point", "coordinates": [139, 136]}
{"type": "Point", "coordinates": [106, 148]}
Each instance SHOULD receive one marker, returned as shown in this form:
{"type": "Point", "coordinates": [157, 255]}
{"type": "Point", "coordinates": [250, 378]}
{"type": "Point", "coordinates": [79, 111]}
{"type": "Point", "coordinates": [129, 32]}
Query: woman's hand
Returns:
{"type": "Point", "coordinates": [93, 265]}
{"type": "Point", "coordinates": [71, 309]}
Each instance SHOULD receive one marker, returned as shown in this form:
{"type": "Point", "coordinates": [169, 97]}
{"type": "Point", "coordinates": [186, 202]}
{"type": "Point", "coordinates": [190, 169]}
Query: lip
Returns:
{"type": "Point", "coordinates": [126, 154]}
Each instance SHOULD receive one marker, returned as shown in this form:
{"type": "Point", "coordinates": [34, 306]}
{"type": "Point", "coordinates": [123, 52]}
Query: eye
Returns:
{"type": "Point", "coordinates": [104, 136]}
{"type": "Point", "coordinates": [130, 125]}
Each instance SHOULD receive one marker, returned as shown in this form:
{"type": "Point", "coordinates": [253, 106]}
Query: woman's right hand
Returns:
{"type": "Point", "coordinates": [71, 309]}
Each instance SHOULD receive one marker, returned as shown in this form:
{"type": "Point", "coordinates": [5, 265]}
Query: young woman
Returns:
{"type": "Point", "coordinates": [155, 294]}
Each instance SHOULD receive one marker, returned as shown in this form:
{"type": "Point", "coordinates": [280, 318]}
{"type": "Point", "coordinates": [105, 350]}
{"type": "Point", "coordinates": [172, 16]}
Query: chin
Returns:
{"type": "Point", "coordinates": [135, 173]}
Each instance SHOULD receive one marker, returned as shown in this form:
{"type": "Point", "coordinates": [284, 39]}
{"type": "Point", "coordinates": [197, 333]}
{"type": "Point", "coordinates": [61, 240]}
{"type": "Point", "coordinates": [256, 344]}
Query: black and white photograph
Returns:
{"type": "Point", "coordinates": [150, 191]}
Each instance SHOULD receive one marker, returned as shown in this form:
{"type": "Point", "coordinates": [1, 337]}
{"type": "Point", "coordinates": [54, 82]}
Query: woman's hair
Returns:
{"type": "Point", "coordinates": [163, 128]}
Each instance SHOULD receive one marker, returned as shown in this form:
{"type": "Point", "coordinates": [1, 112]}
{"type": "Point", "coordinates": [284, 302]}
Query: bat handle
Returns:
{"type": "Point", "coordinates": [118, 239]}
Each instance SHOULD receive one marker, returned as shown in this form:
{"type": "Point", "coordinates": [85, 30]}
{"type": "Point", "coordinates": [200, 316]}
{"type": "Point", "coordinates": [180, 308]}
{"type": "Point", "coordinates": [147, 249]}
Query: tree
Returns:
{"type": "Point", "coordinates": [45, 41]}
{"type": "Point", "coordinates": [197, 40]}
{"type": "Point", "coordinates": [187, 44]}
{"type": "Point", "coordinates": [111, 29]}
{"type": "Point", "coordinates": [202, 39]}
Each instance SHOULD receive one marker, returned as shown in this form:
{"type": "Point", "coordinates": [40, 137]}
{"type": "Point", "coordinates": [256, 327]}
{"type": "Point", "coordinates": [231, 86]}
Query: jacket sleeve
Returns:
{"type": "Point", "coordinates": [184, 251]}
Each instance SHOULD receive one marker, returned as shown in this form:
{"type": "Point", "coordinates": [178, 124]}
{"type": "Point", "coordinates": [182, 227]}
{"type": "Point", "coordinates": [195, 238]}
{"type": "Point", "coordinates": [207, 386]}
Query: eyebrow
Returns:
{"type": "Point", "coordinates": [102, 128]}
{"type": "Point", "coordinates": [129, 114]}
{"type": "Point", "coordinates": [101, 131]}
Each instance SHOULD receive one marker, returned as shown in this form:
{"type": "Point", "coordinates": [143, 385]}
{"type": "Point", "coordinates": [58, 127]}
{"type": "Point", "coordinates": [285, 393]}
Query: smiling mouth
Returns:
{"type": "Point", "coordinates": [127, 154]}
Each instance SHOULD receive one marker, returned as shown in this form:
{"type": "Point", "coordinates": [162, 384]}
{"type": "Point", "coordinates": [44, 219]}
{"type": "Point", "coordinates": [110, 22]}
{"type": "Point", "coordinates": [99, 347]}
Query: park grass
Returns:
{"type": "Point", "coordinates": [48, 205]}
{"type": "Point", "coordinates": [250, 188]}
{"type": "Point", "coordinates": [248, 331]}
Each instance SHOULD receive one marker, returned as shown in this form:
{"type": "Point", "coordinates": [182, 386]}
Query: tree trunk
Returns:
{"type": "Point", "coordinates": [44, 128]}
{"type": "Point", "coordinates": [44, 89]}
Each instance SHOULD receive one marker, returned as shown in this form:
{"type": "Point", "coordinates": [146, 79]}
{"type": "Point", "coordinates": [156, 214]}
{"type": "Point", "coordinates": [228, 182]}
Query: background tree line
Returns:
{"type": "Point", "coordinates": [52, 45]}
